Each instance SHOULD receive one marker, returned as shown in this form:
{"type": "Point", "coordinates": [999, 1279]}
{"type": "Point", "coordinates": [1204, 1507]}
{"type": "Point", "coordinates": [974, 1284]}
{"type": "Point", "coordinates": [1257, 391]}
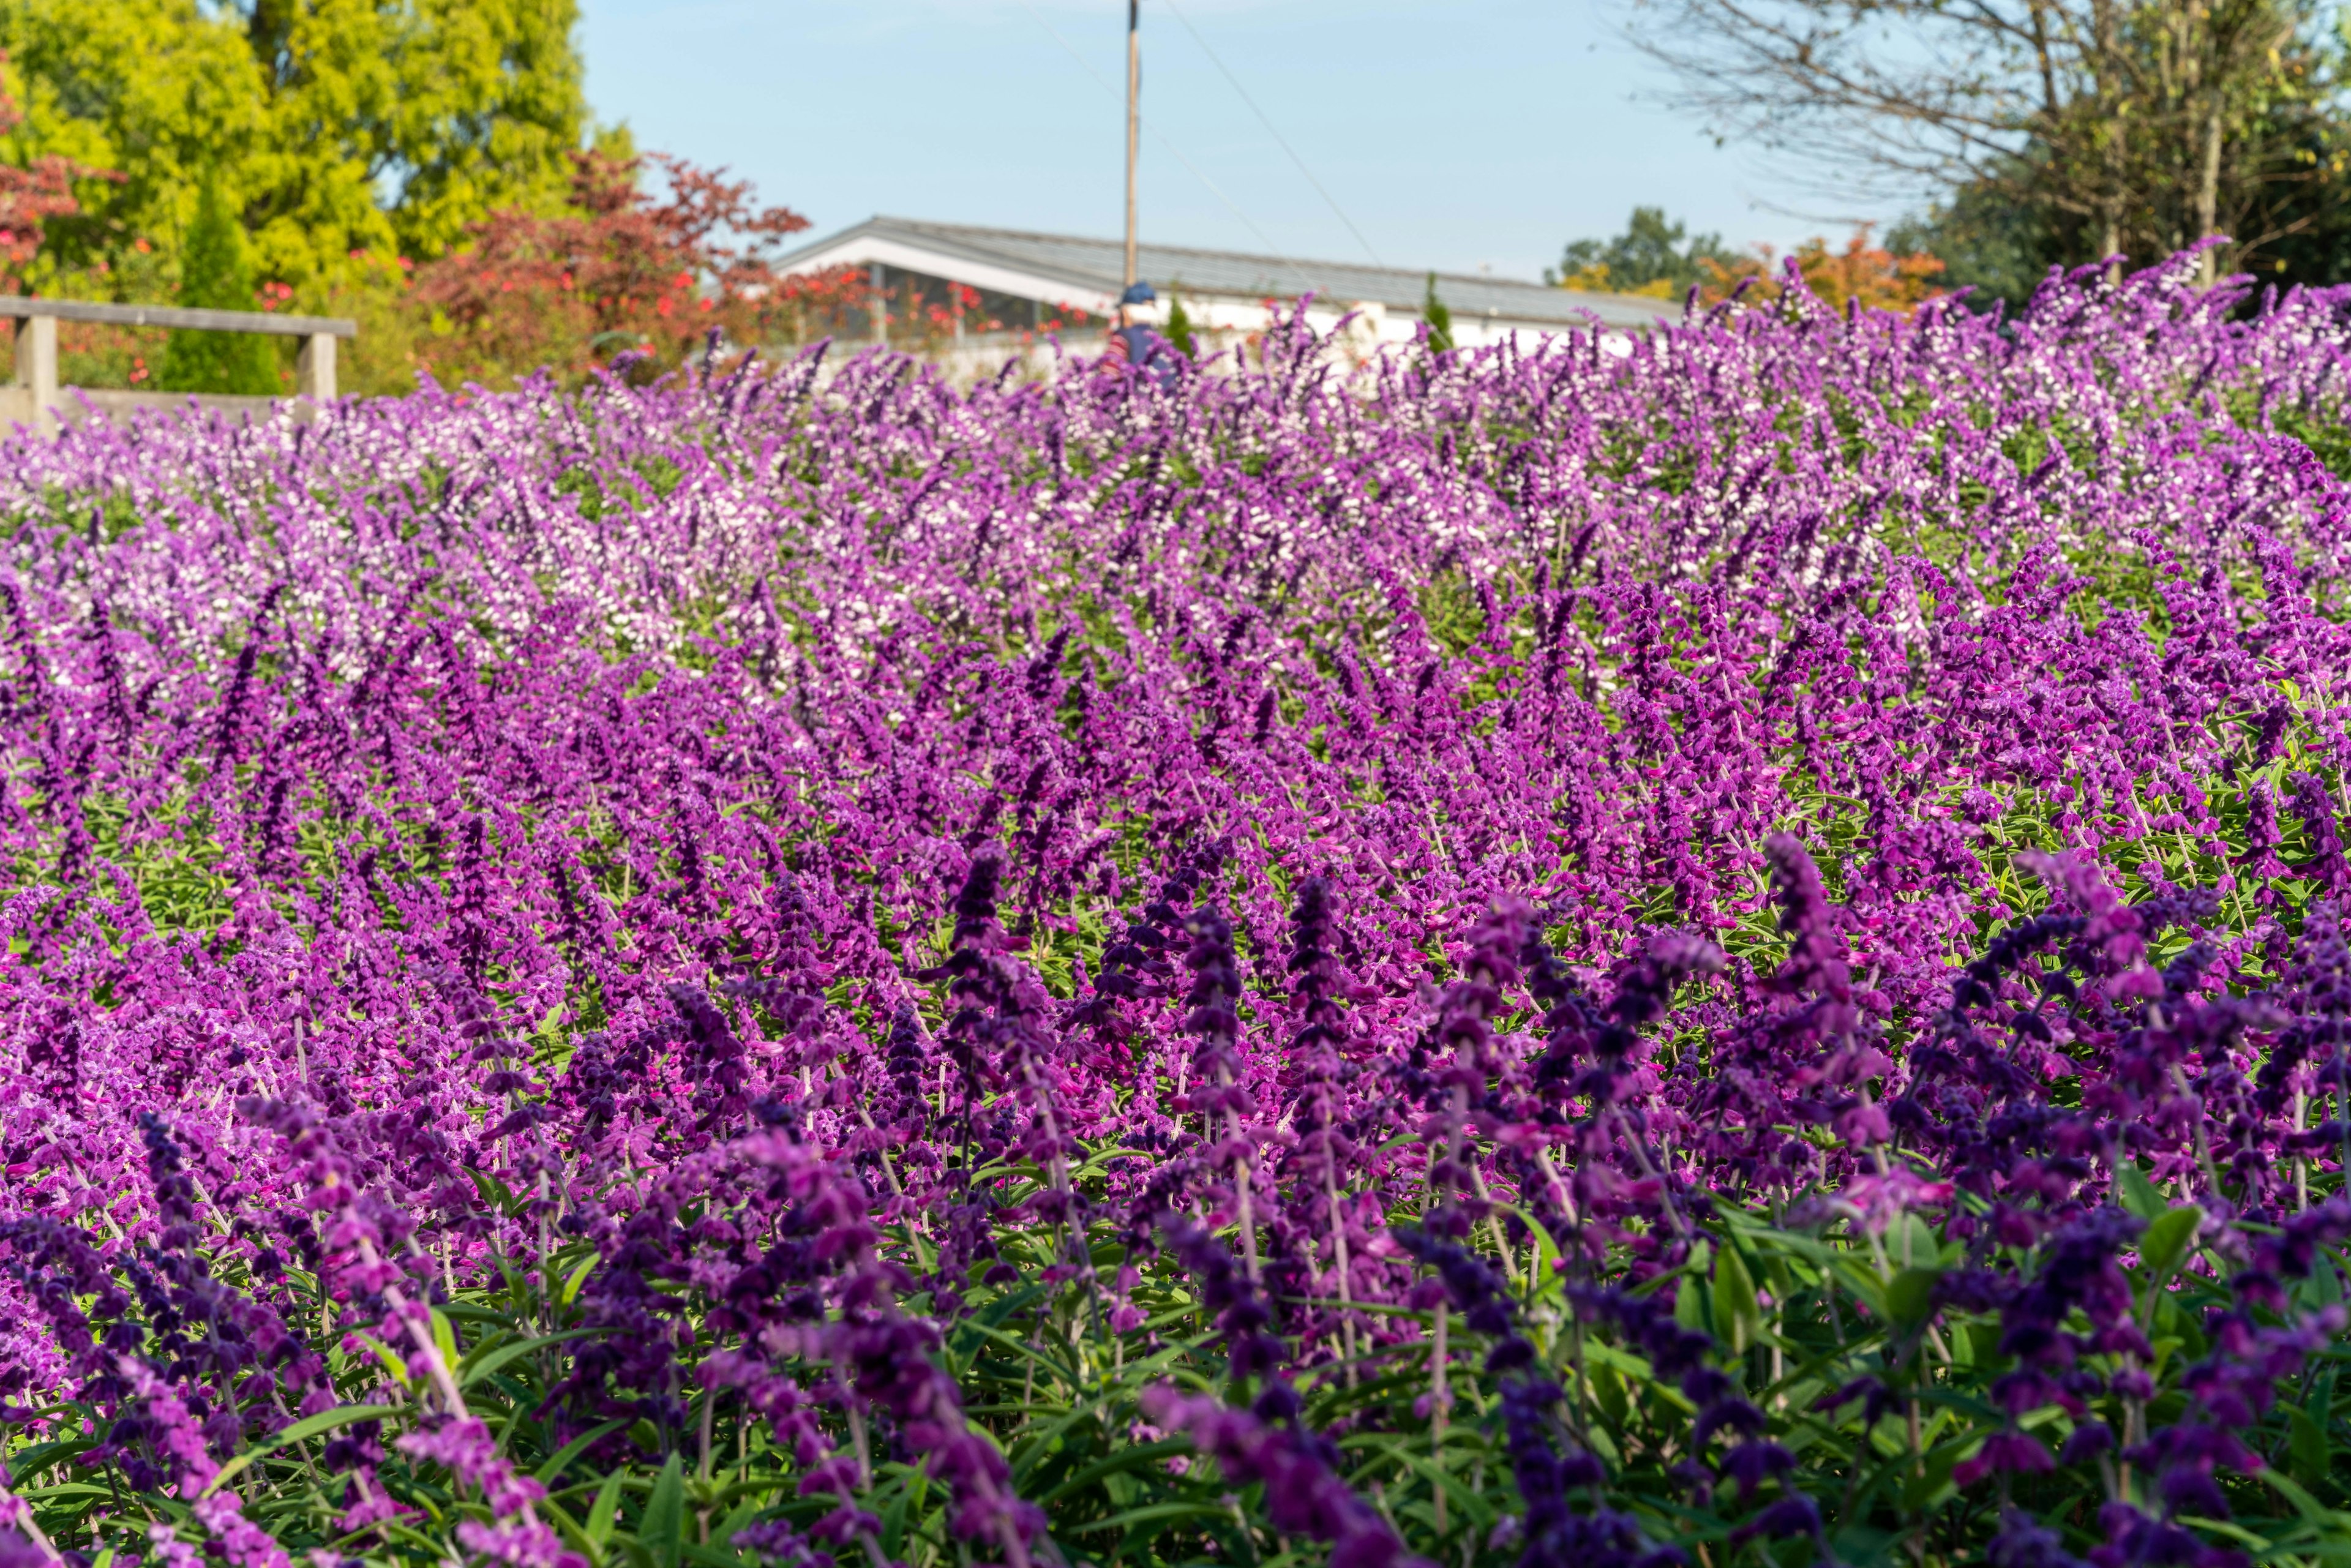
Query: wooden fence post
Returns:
{"type": "Point", "coordinates": [36, 391]}
{"type": "Point", "coordinates": [36, 367]}
{"type": "Point", "coordinates": [314, 368]}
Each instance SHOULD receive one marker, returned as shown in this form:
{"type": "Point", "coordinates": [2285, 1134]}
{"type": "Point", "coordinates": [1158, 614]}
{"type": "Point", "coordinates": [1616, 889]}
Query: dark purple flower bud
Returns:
{"type": "Point", "coordinates": [2023, 1543]}
{"type": "Point", "coordinates": [2086, 1441]}
{"type": "Point", "coordinates": [1752, 1464]}
{"type": "Point", "coordinates": [2011, 1451]}
{"type": "Point", "coordinates": [1792, 1515]}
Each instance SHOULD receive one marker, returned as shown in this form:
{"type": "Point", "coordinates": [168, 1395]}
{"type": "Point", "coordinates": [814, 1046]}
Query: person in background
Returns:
{"type": "Point", "coordinates": [1133, 344]}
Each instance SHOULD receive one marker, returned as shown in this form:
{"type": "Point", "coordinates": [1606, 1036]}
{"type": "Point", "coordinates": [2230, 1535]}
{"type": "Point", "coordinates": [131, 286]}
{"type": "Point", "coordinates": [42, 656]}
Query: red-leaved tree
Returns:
{"type": "Point", "coordinates": [628, 269]}
{"type": "Point", "coordinates": [29, 197]}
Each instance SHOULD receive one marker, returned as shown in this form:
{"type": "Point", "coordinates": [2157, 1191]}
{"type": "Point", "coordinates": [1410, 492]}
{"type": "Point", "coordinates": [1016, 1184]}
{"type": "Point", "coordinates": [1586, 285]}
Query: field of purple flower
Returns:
{"type": "Point", "coordinates": [1728, 954]}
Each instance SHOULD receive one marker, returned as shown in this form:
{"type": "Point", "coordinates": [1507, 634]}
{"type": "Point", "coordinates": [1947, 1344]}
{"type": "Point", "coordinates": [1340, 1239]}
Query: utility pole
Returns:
{"type": "Point", "coordinates": [1134, 119]}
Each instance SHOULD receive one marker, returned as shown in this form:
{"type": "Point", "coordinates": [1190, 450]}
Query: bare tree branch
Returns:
{"type": "Point", "coordinates": [2146, 124]}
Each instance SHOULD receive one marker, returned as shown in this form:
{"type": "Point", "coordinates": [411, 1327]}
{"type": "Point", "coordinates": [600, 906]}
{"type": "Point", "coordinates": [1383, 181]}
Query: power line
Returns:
{"type": "Point", "coordinates": [1328, 200]}
{"type": "Point", "coordinates": [1214, 188]}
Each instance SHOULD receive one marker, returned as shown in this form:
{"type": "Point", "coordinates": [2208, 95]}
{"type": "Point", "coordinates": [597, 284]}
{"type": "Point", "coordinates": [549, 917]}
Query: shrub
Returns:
{"type": "Point", "coordinates": [1733, 952]}
{"type": "Point", "coordinates": [627, 271]}
{"type": "Point", "coordinates": [31, 196]}
{"type": "Point", "coordinates": [217, 274]}
{"type": "Point", "coordinates": [1440, 320]}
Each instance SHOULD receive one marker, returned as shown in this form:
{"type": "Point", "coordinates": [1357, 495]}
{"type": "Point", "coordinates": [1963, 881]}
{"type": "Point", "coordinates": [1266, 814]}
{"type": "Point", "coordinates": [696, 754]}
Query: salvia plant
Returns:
{"type": "Point", "coordinates": [1723, 950]}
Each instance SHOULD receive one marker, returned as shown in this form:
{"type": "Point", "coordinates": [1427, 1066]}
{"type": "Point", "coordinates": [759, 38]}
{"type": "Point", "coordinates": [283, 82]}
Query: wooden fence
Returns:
{"type": "Point", "coordinates": [37, 400]}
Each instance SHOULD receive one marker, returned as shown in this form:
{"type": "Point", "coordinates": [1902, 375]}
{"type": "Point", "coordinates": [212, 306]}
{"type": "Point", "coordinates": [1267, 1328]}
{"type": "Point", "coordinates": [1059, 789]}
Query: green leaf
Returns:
{"type": "Point", "coordinates": [1918, 1246]}
{"type": "Point", "coordinates": [662, 1529]}
{"type": "Point", "coordinates": [579, 1277]}
{"type": "Point", "coordinates": [2323, 1288]}
{"type": "Point", "coordinates": [1160, 1510]}
{"type": "Point", "coordinates": [1608, 1391]}
{"type": "Point", "coordinates": [1546, 1281]}
{"type": "Point", "coordinates": [2165, 1243]}
{"type": "Point", "coordinates": [480, 1366]}
{"type": "Point", "coordinates": [1935, 1477]}
{"type": "Point", "coordinates": [571, 1451]}
{"type": "Point", "coordinates": [1864, 1283]}
{"type": "Point", "coordinates": [571, 1531]}
{"type": "Point", "coordinates": [310, 1426]}
{"type": "Point", "coordinates": [2307, 1443]}
{"type": "Point", "coordinates": [2308, 1506]}
{"type": "Point", "coordinates": [2136, 1194]}
{"type": "Point", "coordinates": [746, 1514]}
{"type": "Point", "coordinates": [495, 1193]}
{"type": "Point", "coordinates": [1911, 1296]}
{"type": "Point", "coordinates": [32, 1461]}
{"type": "Point", "coordinates": [601, 1512]}
{"type": "Point", "coordinates": [1736, 1313]}
{"type": "Point", "coordinates": [1691, 1305]}
{"type": "Point", "coordinates": [444, 1339]}
{"type": "Point", "coordinates": [394, 1365]}
{"type": "Point", "coordinates": [1128, 1456]}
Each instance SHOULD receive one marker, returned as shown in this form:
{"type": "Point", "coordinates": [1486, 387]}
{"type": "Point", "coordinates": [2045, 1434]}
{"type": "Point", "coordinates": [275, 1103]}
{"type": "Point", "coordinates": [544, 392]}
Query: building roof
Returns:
{"type": "Point", "coordinates": [1097, 268]}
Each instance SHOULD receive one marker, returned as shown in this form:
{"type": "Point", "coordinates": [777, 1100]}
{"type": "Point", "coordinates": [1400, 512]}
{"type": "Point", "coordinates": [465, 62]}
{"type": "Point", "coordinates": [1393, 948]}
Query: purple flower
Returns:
{"type": "Point", "coordinates": [1792, 1515]}
{"type": "Point", "coordinates": [2022, 1543]}
{"type": "Point", "coordinates": [1752, 1464]}
{"type": "Point", "coordinates": [798, 865]}
{"type": "Point", "coordinates": [1303, 1496]}
{"type": "Point", "coordinates": [465, 1449]}
{"type": "Point", "coordinates": [2011, 1451]}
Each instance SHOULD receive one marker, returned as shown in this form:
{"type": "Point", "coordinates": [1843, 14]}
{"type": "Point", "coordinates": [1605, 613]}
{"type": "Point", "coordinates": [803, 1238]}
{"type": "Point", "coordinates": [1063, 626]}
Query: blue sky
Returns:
{"type": "Point", "coordinates": [1476, 133]}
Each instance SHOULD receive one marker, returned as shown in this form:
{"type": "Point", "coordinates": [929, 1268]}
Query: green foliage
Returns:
{"type": "Point", "coordinates": [1653, 256]}
{"type": "Point", "coordinates": [216, 274]}
{"type": "Point", "coordinates": [2001, 232]}
{"type": "Point", "coordinates": [1796, 1308]}
{"type": "Point", "coordinates": [340, 126]}
{"type": "Point", "coordinates": [1179, 327]}
{"type": "Point", "coordinates": [1990, 243]}
{"type": "Point", "coordinates": [1440, 320]}
{"type": "Point", "coordinates": [1797, 1311]}
{"type": "Point", "coordinates": [2328, 438]}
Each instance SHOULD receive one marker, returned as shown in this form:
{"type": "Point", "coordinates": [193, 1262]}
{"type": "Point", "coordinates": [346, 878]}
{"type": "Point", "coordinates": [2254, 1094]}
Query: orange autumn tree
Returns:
{"type": "Point", "coordinates": [626, 270]}
{"type": "Point", "coordinates": [1869, 273]}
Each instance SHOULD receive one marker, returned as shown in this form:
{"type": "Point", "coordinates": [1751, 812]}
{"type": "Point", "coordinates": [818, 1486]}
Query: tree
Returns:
{"type": "Point", "coordinates": [2124, 127]}
{"type": "Point", "coordinates": [30, 195]}
{"type": "Point", "coordinates": [217, 274]}
{"type": "Point", "coordinates": [1179, 327]}
{"type": "Point", "coordinates": [1440, 320]}
{"type": "Point", "coordinates": [626, 269]}
{"type": "Point", "coordinates": [1998, 248]}
{"type": "Point", "coordinates": [1875, 276]}
{"type": "Point", "coordinates": [1656, 256]}
{"type": "Point", "coordinates": [340, 127]}
{"type": "Point", "coordinates": [1653, 257]}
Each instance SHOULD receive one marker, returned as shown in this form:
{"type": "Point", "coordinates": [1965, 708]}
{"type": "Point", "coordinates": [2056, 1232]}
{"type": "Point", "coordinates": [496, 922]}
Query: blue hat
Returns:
{"type": "Point", "coordinates": [1138, 294]}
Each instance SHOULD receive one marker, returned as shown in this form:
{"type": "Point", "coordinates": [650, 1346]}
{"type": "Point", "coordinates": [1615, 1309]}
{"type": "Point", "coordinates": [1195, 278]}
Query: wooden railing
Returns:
{"type": "Point", "coordinates": [40, 399]}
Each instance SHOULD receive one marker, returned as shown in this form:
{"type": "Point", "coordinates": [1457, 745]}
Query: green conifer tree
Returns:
{"type": "Point", "coordinates": [1440, 320]}
{"type": "Point", "coordinates": [217, 274]}
{"type": "Point", "coordinates": [1179, 328]}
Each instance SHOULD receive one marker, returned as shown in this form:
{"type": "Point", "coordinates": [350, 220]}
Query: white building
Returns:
{"type": "Point", "coordinates": [1016, 287]}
